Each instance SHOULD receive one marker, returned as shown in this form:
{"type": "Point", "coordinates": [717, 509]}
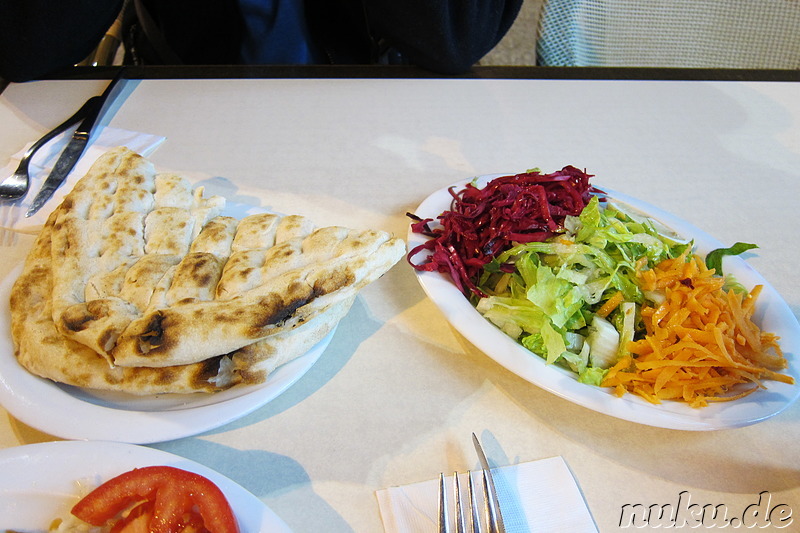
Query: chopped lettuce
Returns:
{"type": "Point", "coordinates": [546, 294]}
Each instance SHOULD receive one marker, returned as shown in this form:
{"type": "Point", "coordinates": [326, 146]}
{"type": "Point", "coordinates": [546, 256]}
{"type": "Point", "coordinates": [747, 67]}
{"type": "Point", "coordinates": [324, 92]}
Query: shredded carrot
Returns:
{"type": "Point", "coordinates": [610, 304]}
{"type": "Point", "coordinates": [701, 344]}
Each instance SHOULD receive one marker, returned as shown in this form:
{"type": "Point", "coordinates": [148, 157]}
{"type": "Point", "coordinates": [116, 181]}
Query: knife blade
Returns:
{"type": "Point", "coordinates": [494, 503]}
{"type": "Point", "coordinates": [97, 106]}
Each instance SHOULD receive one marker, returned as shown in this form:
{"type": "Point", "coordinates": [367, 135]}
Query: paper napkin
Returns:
{"type": "Point", "coordinates": [535, 496]}
{"type": "Point", "coordinates": [12, 215]}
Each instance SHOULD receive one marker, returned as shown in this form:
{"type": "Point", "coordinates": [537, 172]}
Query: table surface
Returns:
{"type": "Point", "coordinates": [395, 397]}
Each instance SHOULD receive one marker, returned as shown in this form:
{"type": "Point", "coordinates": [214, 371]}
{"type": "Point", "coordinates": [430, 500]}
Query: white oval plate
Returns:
{"type": "Point", "coordinates": [74, 413]}
{"type": "Point", "coordinates": [41, 482]}
{"type": "Point", "coordinates": [772, 315]}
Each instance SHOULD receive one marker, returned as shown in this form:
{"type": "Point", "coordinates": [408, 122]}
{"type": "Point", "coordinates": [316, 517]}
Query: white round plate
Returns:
{"type": "Point", "coordinates": [74, 413]}
{"type": "Point", "coordinates": [41, 482]}
{"type": "Point", "coordinates": [772, 315]}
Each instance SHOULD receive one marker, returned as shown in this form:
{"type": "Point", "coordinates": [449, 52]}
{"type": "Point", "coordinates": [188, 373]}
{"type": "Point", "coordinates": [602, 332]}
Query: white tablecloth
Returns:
{"type": "Point", "coordinates": [395, 397]}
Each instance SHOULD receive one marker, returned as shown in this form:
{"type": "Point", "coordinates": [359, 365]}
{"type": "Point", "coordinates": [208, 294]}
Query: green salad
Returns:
{"type": "Point", "coordinates": [553, 263]}
{"type": "Point", "coordinates": [549, 302]}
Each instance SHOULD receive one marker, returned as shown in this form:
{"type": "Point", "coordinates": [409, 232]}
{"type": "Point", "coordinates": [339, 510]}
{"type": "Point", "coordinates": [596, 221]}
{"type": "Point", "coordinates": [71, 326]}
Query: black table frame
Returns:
{"type": "Point", "coordinates": [400, 72]}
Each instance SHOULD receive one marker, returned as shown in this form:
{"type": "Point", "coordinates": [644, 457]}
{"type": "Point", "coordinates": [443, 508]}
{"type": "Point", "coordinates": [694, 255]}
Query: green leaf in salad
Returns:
{"type": "Point", "coordinates": [714, 258]}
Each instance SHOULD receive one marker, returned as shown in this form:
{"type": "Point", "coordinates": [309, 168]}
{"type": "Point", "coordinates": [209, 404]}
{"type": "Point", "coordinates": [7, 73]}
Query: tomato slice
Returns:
{"type": "Point", "coordinates": [175, 495]}
{"type": "Point", "coordinates": [137, 521]}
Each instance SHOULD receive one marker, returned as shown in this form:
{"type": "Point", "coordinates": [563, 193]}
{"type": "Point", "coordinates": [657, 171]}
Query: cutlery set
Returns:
{"type": "Point", "coordinates": [87, 117]}
{"type": "Point", "coordinates": [467, 515]}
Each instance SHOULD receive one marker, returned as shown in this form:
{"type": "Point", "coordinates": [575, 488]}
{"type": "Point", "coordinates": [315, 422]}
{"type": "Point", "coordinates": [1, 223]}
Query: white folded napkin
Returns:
{"type": "Point", "coordinates": [12, 214]}
{"type": "Point", "coordinates": [535, 496]}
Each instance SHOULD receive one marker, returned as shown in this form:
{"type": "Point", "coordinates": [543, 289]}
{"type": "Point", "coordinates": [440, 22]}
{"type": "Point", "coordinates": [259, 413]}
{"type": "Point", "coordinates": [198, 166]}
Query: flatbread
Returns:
{"type": "Point", "coordinates": [274, 291]}
{"type": "Point", "coordinates": [137, 284]}
{"type": "Point", "coordinates": [41, 349]}
{"type": "Point", "coordinates": [182, 284]}
{"type": "Point", "coordinates": [120, 212]}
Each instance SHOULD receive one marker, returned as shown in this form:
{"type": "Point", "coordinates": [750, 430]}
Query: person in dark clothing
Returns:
{"type": "Point", "coordinates": [41, 37]}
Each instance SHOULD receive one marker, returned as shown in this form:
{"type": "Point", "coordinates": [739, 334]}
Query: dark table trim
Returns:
{"type": "Point", "coordinates": [406, 72]}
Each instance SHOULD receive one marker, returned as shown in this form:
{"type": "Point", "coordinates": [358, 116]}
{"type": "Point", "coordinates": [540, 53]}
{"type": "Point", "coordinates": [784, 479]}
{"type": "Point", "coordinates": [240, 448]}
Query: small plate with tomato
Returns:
{"type": "Point", "coordinates": [44, 482]}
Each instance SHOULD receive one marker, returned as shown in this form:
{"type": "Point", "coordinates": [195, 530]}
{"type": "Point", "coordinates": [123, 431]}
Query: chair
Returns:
{"type": "Point", "coordinates": [757, 34]}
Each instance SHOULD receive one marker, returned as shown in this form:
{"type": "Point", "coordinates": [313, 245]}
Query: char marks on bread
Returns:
{"type": "Point", "coordinates": [137, 283]}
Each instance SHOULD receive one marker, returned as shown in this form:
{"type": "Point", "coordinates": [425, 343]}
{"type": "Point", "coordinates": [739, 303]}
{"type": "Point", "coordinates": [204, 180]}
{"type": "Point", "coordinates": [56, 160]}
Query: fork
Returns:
{"type": "Point", "coordinates": [16, 186]}
{"type": "Point", "coordinates": [468, 516]}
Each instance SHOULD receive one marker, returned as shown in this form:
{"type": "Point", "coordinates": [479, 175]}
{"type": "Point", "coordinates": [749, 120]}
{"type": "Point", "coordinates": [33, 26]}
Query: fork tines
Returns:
{"type": "Point", "coordinates": [467, 514]}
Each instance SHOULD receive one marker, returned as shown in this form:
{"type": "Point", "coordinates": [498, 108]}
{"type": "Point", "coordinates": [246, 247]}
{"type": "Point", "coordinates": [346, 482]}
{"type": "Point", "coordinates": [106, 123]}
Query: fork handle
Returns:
{"type": "Point", "coordinates": [74, 119]}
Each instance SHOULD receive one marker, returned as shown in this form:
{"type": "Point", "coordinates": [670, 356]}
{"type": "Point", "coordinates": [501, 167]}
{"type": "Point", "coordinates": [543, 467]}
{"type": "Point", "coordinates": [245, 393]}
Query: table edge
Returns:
{"type": "Point", "coordinates": [401, 72]}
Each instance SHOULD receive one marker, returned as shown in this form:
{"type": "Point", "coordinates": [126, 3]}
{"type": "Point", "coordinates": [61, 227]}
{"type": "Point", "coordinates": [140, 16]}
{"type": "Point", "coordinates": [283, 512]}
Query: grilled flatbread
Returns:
{"type": "Point", "coordinates": [137, 284]}
{"type": "Point", "coordinates": [45, 352]}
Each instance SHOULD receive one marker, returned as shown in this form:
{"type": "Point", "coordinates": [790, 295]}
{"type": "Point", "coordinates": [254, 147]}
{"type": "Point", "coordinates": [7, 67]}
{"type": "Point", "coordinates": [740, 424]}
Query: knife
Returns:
{"type": "Point", "coordinates": [494, 503]}
{"type": "Point", "coordinates": [77, 145]}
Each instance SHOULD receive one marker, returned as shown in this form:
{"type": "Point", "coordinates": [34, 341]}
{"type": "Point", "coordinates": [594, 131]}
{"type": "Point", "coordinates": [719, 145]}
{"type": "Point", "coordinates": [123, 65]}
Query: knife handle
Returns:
{"type": "Point", "coordinates": [93, 112]}
{"type": "Point", "coordinates": [61, 128]}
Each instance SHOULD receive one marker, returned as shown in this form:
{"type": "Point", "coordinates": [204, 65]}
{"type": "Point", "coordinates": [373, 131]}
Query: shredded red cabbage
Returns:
{"type": "Point", "coordinates": [482, 223]}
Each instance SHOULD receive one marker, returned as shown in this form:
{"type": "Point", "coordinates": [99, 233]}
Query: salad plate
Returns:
{"type": "Point", "coordinates": [772, 314]}
{"type": "Point", "coordinates": [73, 413]}
{"type": "Point", "coordinates": [41, 482]}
